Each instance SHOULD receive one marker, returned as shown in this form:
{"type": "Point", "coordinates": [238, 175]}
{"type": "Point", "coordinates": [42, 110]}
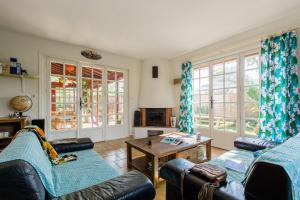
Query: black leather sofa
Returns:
{"type": "Point", "coordinates": [19, 181]}
{"type": "Point", "coordinates": [265, 181]}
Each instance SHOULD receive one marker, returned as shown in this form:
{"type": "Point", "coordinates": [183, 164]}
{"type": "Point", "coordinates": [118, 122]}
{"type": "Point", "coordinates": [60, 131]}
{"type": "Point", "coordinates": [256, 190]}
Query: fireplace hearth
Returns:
{"type": "Point", "coordinates": [157, 117]}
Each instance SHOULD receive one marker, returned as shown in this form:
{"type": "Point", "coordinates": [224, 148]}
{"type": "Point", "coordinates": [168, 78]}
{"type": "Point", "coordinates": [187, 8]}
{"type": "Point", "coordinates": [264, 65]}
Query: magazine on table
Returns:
{"type": "Point", "coordinates": [172, 140]}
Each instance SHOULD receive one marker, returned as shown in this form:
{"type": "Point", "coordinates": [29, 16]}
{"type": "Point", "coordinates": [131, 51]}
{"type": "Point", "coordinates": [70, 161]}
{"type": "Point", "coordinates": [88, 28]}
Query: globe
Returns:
{"type": "Point", "coordinates": [21, 104]}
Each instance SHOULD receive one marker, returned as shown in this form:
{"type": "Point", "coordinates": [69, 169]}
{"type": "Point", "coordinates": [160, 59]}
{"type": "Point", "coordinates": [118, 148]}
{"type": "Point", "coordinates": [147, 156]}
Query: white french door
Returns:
{"type": "Point", "coordinates": [225, 98]}
{"type": "Point", "coordinates": [91, 99]}
{"type": "Point", "coordinates": [87, 100]}
{"type": "Point", "coordinates": [215, 101]}
{"type": "Point", "coordinates": [224, 105]}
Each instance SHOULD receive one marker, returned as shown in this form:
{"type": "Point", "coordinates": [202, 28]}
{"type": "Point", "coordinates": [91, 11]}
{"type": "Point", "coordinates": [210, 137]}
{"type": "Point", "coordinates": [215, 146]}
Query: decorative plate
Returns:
{"type": "Point", "coordinates": [93, 55]}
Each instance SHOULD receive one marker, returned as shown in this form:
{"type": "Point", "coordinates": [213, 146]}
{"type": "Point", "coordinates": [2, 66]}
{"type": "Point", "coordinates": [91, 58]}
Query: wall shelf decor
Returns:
{"type": "Point", "coordinates": [177, 81]}
{"type": "Point", "coordinates": [21, 77]}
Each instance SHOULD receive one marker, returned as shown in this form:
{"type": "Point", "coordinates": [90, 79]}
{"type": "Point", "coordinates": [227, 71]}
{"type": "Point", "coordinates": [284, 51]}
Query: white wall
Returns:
{"type": "Point", "coordinates": [28, 48]}
{"type": "Point", "coordinates": [241, 42]}
{"type": "Point", "coordinates": [156, 92]}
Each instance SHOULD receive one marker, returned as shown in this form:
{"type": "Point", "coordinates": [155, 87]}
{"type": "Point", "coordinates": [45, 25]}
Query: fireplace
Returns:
{"type": "Point", "coordinates": [158, 117]}
{"type": "Point", "coordinates": [155, 117]}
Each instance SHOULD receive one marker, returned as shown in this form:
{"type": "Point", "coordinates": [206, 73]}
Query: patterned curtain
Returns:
{"type": "Point", "coordinates": [185, 113]}
{"type": "Point", "coordinates": [279, 101]}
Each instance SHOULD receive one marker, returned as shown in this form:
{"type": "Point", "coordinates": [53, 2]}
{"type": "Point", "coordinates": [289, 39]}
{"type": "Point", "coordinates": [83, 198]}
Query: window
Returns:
{"type": "Point", "coordinates": [63, 96]}
{"type": "Point", "coordinates": [251, 94]}
{"type": "Point", "coordinates": [115, 97]}
{"type": "Point", "coordinates": [201, 96]}
{"type": "Point", "coordinates": [224, 93]}
{"type": "Point", "coordinates": [218, 91]}
{"type": "Point", "coordinates": [91, 113]}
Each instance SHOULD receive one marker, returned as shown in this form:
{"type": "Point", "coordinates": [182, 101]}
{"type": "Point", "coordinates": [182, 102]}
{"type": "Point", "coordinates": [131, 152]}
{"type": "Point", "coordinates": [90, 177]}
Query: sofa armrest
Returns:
{"type": "Point", "coordinates": [171, 172]}
{"type": "Point", "coordinates": [69, 146]}
{"type": "Point", "coordinates": [268, 181]}
{"type": "Point", "coordinates": [133, 185]}
{"type": "Point", "coordinates": [19, 180]}
{"type": "Point", "coordinates": [252, 144]}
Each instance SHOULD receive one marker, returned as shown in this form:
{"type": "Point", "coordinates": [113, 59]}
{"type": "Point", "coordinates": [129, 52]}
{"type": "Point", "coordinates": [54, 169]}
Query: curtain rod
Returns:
{"type": "Point", "coordinates": [279, 33]}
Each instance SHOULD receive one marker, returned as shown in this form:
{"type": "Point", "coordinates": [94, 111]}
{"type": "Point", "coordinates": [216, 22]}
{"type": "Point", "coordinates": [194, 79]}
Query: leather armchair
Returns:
{"type": "Point", "coordinates": [171, 172]}
{"type": "Point", "coordinates": [265, 182]}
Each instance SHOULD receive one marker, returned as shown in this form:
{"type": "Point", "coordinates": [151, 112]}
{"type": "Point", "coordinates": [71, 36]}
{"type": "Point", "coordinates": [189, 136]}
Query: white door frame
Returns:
{"type": "Point", "coordinates": [45, 101]}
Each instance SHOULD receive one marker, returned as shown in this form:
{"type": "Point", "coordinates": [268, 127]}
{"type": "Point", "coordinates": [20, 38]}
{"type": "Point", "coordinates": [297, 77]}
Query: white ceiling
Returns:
{"type": "Point", "coordinates": [140, 28]}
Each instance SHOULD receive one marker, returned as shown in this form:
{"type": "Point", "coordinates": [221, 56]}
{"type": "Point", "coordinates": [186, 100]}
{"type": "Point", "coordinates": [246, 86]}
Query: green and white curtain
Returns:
{"type": "Point", "coordinates": [185, 112]}
{"type": "Point", "coordinates": [279, 101]}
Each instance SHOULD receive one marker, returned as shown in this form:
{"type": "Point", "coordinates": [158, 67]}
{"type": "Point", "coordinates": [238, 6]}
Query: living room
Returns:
{"type": "Point", "coordinates": [149, 100]}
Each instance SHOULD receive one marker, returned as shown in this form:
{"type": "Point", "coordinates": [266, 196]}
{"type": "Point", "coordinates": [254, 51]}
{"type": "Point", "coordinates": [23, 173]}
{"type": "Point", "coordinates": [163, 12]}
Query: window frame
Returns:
{"type": "Point", "coordinates": [242, 87]}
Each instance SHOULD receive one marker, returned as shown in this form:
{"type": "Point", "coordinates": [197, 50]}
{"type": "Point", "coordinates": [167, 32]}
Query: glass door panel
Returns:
{"type": "Point", "coordinates": [201, 96]}
{"type": "Point", "coordinates": [251, 94]}
{"type": "Point", "coordinates": [115, 97]}
{"type": "Point", "coordinates": [224, 96]}
{"type": "Point", "coordinates": [91, 97]}
{"type": "Point", "coordinates": [63, 81]}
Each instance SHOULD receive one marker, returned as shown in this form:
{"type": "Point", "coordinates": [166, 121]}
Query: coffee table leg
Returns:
{"type": "Point", "coordinates": [208, 150]}
{"type": "Point", "coordinates": [129, 156]}
{"type": "Point", "coordinates": [155, 175]}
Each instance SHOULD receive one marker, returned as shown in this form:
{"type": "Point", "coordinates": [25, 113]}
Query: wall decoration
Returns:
{"type": "Point", "coordinates": [21, 104]}
{"type": "Point", "coordinates": [173, 121]}
{"type": "Point", "coordinates": [90, 54]}
{"type": "Point", "coordinates": [154, 71]}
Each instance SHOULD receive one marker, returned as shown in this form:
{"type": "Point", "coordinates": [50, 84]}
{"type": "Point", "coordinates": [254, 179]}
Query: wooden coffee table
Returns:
{"type": "Point", "coordinates": [158, 151]}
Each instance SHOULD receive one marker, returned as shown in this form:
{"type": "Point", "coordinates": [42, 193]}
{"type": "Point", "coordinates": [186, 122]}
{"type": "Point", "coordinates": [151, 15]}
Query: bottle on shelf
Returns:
{"type": "Point", "coordinates": [13, 65]}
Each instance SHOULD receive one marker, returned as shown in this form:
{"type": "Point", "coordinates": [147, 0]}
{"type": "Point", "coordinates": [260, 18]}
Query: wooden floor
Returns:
{"type": "Point", "coordinates": [114, 152]}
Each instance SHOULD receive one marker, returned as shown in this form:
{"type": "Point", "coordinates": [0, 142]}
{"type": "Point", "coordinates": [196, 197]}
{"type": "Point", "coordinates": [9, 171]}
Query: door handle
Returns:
{"type": "Point", "coordinates": [211, 102]}
{"type": "Point", "coordinates": [80, 103]}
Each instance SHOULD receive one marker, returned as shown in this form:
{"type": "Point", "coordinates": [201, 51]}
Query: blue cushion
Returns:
{"type": "Point", "coordinates": [237, 154]}
{"type": "Point", "coordinates": [89, 169]}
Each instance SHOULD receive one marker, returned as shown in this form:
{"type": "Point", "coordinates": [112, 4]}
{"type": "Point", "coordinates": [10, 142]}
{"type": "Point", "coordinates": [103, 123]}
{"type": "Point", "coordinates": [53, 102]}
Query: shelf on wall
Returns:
{"type": "Point", "coordinates": [20, 76]}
